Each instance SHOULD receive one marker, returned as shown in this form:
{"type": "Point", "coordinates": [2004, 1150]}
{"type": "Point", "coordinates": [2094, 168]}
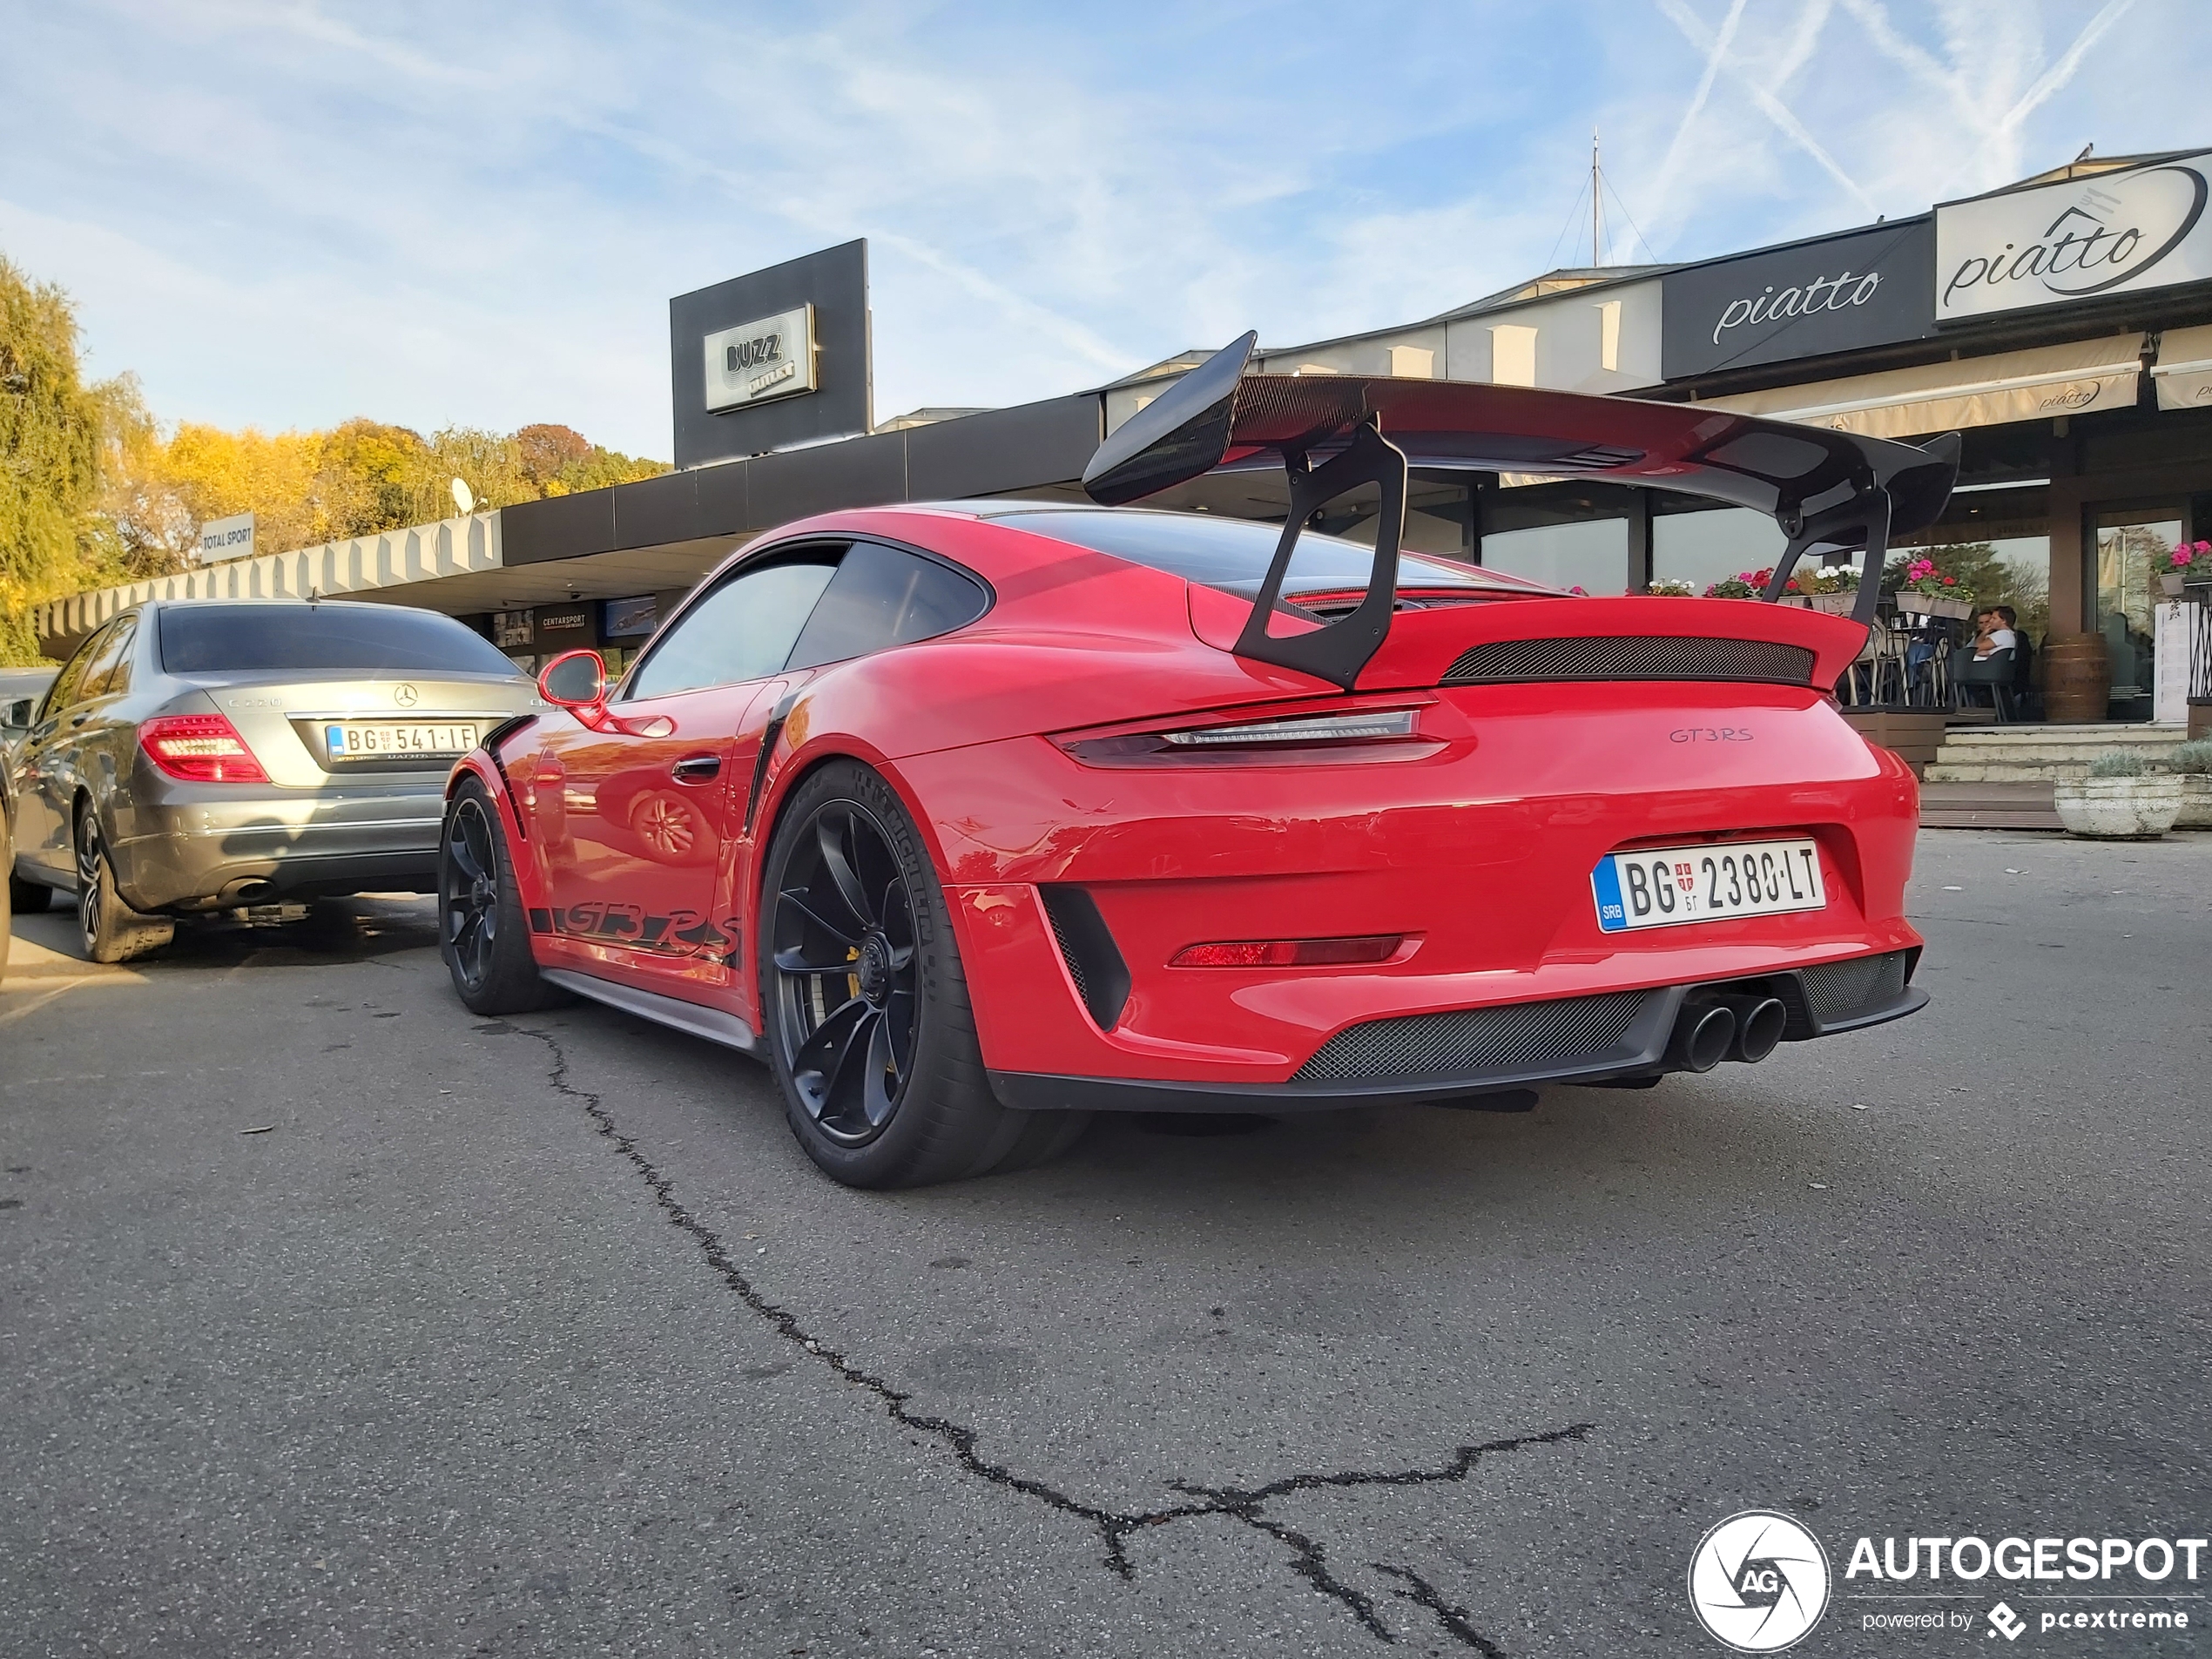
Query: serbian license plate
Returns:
{"type": "Point", "coordinates": [1666, 886]}
{"type": "Point", "coordinates": [382, 739]}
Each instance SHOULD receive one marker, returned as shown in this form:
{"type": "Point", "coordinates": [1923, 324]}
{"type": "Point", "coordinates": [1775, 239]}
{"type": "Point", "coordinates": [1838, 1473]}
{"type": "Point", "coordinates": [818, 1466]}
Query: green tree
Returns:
{"type": "Point", "coordinates": [53, 539]}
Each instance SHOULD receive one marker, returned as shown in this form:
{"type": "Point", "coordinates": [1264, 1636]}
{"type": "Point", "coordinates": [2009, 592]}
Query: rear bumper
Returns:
{"type": "Point", "coordinates": [198, 847]}
{"type": "Point", "coordinates": [1564, 1041]}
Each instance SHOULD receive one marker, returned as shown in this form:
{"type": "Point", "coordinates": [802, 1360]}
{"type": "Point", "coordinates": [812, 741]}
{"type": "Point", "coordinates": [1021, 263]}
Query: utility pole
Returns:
{"type": "Point", "coordinates": [1597, 206]}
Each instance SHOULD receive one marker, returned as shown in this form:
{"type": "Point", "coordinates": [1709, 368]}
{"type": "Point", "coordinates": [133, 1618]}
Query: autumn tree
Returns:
{"type": "Point", "coordinates": [53, 540]}
{"type": "Point", "coordinates": [92, 490]}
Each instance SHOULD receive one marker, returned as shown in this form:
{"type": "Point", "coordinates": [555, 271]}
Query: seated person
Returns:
{"type": "Point", "coordinates": [1998, 629]}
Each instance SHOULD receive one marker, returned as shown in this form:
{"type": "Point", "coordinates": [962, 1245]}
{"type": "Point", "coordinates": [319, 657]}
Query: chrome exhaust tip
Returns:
{"type": "Point", "coordinates": [1705, 1036]}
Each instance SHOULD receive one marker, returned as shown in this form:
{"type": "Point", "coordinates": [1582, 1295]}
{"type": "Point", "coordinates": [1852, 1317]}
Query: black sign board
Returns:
{"type": "Point", "coordinates": [834, 285]}
{"type": "Point", "coordinates": [1870, 287]}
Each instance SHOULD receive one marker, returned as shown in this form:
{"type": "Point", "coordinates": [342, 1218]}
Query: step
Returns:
{"type": "Point", "coordinates": [2046, 754]}
{"type": "Point", "coordinates": [2074, 737]}
{"type": "Point", "coordinates": [1948, 772]}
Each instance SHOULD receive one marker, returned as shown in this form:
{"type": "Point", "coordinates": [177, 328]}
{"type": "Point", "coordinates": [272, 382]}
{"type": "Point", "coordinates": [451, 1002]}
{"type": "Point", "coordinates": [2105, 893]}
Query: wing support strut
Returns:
{"type": "Point", "coordinates": [1337, 651]}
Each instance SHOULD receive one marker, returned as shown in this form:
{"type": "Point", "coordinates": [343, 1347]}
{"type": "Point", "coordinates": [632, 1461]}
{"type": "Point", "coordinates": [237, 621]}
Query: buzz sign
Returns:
{"type": "Point", "coordinates": [774, 357]}
{"type": "Point", "coordinates": [226, 538]}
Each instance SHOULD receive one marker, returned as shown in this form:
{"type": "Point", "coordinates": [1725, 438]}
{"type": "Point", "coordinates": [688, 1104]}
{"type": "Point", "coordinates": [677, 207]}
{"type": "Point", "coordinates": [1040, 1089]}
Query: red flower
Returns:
{"type": "Point", "coordinates": [1950, 582]}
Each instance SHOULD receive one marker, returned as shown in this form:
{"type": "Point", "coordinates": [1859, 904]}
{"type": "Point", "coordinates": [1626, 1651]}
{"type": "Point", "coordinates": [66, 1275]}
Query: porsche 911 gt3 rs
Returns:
{"type": "Point", "coordinates": [973, 818]}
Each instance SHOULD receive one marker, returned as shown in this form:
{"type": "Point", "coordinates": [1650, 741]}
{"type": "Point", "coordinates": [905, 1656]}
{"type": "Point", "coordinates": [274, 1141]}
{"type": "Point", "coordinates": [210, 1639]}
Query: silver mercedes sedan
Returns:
{"type": "Point", "coordinates": [206, 755]}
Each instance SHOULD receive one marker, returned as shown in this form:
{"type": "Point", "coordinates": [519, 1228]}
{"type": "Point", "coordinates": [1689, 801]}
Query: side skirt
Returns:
{"type": "Point", "coordinates": [711, 1024]}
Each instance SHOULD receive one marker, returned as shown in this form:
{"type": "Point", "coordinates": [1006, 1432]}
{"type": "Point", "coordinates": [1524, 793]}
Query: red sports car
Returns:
{"type": "Point", "coordinates": [972, 819]}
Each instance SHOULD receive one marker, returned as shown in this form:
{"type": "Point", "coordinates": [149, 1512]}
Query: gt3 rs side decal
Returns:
{"type": "Point", "coordinates": [681, 933]}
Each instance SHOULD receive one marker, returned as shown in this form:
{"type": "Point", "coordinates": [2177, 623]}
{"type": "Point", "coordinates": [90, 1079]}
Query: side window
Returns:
{"type": "Point", "coordinates": [64, 690]}
{"type": "Point", "coordinates": [742, 630]}
{"type": "Point", "coordinates": [109, 673]}
{"type": "Point", "coordinates": [883, 597]}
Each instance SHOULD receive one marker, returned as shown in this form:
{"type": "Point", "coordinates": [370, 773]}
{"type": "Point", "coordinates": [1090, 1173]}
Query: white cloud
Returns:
{"type": "Point", "coordinates": [472, 213]}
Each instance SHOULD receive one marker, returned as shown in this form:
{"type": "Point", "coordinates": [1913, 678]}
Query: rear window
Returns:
{"type": "Point", "coordinates": [1232, 554]}
{"type": "Point", "coordinates": [341, 639]}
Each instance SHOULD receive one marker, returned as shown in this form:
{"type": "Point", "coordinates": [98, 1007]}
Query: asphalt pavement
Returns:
{"type": "Point", "coordinates": [335, 1321]}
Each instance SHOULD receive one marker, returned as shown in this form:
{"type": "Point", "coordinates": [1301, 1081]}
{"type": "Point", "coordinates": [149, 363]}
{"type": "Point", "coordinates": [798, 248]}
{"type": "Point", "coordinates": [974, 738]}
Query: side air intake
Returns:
{"type": "Point", "coordinates": [1093, 961]}
{"type": "Point", "coordinates": [1657, 657]}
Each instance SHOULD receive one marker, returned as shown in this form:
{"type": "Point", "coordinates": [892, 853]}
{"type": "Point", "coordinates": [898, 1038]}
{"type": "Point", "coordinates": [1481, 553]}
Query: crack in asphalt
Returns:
{"type": "Point", "coordinates": [1113, 1527]}
{"type": "Point", "coordinates": [1453, 1619]}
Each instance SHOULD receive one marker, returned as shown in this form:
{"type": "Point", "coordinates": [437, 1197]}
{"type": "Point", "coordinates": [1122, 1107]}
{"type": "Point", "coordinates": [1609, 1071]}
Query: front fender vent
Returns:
{"type": "Point", "coordinates": [1631, 656]}
{"type": "Point", "coordinates": [1086, 945]}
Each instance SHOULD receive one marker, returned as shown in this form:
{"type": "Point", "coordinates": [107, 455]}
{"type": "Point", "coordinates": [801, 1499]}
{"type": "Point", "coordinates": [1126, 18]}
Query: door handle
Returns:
{"type": "Point", "coordinates": [696, 769]}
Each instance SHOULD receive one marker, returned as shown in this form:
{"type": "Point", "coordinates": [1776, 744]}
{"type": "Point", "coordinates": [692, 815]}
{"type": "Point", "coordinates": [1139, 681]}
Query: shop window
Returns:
{"type": "Point", "coordinates": [1438, 515]}
{"type": "Point", "coordinates": [1700, 545]}
{"type": "Point", "coordinates": [2127, 540]}
{"type": "Point", "coordinates": [1565, 536]}
{"type": "Point", "coordinates": [1996, 541]}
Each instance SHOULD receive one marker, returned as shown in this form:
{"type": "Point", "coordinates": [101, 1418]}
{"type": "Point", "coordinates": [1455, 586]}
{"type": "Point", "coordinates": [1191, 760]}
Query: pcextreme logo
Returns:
{"type": "Point", "coordinates": [1758, 1582]}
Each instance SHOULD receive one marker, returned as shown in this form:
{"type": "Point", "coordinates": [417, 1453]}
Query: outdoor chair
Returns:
{"type": "Point", "coordinates": [1997, 672]}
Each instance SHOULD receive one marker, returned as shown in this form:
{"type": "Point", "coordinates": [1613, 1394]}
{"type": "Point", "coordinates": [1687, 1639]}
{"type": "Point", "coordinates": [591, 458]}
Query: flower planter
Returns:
{"type": "Point", "coordinates": [2118, 809]}
{"type": "Point", "coordinates": [2196, 801]}
{"type": "Point", "coordinates": [2171, 586]}
{"type": "Point", "coordinates": [1927, 605]}
{"type": "Point", "coordinates": [1835, 604]}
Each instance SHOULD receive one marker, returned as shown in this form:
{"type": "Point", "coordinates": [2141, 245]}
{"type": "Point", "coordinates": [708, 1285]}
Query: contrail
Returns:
{"type": "Point", "coordinates": [1673, 161]}
{"type": "Point", "coordinates": [1772, 107]}
{"type": "Point", "coordinates": [2062, 72]}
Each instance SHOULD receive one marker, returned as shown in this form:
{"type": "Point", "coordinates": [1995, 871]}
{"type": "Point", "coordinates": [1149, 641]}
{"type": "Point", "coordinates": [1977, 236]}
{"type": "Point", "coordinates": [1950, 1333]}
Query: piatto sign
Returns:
{"type": "Point", "coordinates": [2110, 232]}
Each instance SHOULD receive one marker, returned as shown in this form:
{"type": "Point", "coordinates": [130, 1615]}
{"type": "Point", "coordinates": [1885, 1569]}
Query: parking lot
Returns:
{"type": "Point", "coordinates": [340, 1321]}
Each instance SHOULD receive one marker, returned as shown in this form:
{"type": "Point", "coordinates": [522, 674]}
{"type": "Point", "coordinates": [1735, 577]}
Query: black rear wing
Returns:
{"type": "Point", "coordinates": [1824, 489]}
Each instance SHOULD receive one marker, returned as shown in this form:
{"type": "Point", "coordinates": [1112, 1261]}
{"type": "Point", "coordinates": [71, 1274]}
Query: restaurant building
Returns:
{"type": "Point", "coordinates": [2063, 324]}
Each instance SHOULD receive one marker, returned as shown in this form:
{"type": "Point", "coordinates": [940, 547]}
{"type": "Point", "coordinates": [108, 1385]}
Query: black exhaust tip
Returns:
{"type": "Point", "coordinates": [1759, 1022]}
{"type": "Point", "coordinates": [1704, 1034]}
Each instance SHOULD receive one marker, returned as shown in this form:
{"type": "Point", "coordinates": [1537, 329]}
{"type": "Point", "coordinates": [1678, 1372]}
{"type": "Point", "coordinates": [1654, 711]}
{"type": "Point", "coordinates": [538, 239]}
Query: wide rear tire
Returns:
{"type": "Point", "coordinates": [869, 1027]}
{"type": "Point", "coordinates": [108, 929]}
{"type": "Point", "coordinates": [483, 933]}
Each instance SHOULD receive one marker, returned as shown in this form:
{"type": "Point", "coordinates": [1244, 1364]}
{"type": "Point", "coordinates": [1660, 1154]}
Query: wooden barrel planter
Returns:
{"type": "Point", "coordinates": [2077, 685]}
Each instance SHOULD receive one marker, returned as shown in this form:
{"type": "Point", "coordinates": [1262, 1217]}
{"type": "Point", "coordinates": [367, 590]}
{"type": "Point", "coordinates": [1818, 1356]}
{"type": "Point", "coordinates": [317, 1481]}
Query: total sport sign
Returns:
{"type": "Point", "coordinates": [774, 357]}
{"type": "Point", "coordinates": [226, 538]}
{"type": "Point", "coordinates": [2108, 234]}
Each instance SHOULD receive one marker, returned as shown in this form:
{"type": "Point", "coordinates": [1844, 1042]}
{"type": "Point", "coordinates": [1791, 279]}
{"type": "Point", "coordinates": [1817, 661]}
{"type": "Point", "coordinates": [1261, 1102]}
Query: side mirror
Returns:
{"type": "Point", "coordinates": [575, 679]}
{"type": "Point", "coordinates": [15, 716]}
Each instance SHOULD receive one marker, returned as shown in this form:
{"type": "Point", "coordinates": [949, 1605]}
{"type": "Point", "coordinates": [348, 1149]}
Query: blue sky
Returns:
{"type": "Point", "coordinates": [457, 214]}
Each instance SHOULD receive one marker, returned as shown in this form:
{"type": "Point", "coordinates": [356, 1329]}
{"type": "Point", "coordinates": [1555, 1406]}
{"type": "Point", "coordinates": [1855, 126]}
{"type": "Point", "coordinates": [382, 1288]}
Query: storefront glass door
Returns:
{"type": "Point", "coordinates": [2128, 538]}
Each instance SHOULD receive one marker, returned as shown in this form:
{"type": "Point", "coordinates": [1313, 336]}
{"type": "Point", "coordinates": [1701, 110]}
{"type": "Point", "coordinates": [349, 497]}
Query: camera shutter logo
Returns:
{"type": "Point", "coordinates": [1758, 1582]}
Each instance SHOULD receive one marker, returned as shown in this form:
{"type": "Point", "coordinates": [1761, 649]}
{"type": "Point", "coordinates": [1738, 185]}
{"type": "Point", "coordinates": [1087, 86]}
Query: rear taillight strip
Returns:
{"type": "Point", "coordinates": [200, 749]}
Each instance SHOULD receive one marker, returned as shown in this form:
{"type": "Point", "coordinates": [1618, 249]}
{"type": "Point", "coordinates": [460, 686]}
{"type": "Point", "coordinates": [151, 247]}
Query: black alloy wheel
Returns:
{"type": "Point", "coordinates": [468, 893]}
{"type": "Point", "coordinates": [482, 933]}
{"type": "Point", "coordinates": [848, 995]}
{"type": "Point", "coordinates": [869, 1029]}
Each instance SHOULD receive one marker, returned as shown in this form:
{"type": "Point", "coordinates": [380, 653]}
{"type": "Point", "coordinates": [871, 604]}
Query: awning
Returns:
{"type": "Point", "coordinates": [2037, 384]}
{"type": "Point", "coordinates": [2183, 372]}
